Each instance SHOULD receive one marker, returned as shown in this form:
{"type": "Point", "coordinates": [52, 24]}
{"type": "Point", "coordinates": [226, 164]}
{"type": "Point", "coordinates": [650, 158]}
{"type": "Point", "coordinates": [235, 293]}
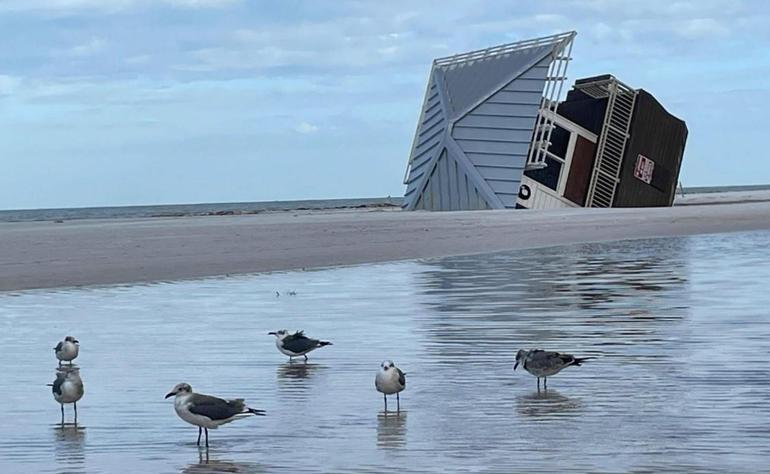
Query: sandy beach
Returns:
{"type": "Point", "coordinates": [94, 252]}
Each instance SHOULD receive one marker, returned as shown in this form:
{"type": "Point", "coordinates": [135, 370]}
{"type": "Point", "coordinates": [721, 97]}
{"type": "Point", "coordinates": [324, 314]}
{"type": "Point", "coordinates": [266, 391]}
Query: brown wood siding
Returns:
{"type": "Point", "coordinates": [661, 137]}
{"type": "Point", "coordinates": [580, 171]}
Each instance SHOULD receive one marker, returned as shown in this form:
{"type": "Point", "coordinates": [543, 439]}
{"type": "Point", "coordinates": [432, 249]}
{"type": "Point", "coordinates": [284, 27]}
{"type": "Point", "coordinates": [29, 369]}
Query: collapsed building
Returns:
{"type": "Point", "coordinates": [494, 134]}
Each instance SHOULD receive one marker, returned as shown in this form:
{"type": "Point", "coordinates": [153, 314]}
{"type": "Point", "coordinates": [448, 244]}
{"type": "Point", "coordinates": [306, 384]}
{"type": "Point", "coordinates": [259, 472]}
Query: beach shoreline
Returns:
{"type": "Point", "coordinates": [47, 254]}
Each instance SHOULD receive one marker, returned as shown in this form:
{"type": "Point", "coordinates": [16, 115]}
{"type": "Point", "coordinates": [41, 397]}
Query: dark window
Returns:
{"type": "Point", "coordinates": [548, 176]}
{"type": "Point", "coordinates": [559, 141]}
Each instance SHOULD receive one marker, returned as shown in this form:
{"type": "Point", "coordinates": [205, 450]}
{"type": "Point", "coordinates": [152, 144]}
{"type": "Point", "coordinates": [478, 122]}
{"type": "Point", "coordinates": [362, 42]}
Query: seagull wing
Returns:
{"type": "Point", "coordinates": [215, 408]}
{"type": "Point", "coordinates": [58, 346]}
{"type": "Point", "coordinates": [401, 377]}
{"type": "Point", "coordinates": [299, 343]}
{"type": "Point", "coordinates": [57, 385]}
{"type": "Point", "coordinates": [552, 360]}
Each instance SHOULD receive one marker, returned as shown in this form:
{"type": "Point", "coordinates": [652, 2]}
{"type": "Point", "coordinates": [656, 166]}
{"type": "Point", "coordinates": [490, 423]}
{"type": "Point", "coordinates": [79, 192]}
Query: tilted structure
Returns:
{"type": "Point", "coordinates": [477, 124]}
{"type": "Point", "coordinates": [494, 133]}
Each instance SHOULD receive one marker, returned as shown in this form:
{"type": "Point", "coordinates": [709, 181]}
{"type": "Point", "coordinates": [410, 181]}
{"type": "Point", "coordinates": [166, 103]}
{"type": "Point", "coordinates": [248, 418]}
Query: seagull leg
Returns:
{"type": "Point", "coordinates": [383, 396]}
{"type": "Point", "coordinates": [62, 413]}
{"type": "Point", "coordinates": [75, 405]}
{"type": "Point", "coordinates": [305, 357]}
{"type": "Point", "coordinates": [398, 403]}
{"type": "Point", "coordinates": [538, 384]}
{"type": "Point", "coordinates": [207, 437]}
{"type": "Point", "coordinates": [545, 383]}
{"type": "Point", "coordinates": [200, 431]}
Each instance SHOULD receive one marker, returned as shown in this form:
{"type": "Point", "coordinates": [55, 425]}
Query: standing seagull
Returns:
{"type": "Point", "coordinates": [68, 388]}
{"type": "Point", "coordinates": [67, 350]}
{"type": "Point", "coordinates": [207, 412]}
{"type": "Point", "coordinates": [544, 364]}
{"type": "Point", "coordinates": [297, 344]}
{"type": "Point", "coordinates": [390, 380]}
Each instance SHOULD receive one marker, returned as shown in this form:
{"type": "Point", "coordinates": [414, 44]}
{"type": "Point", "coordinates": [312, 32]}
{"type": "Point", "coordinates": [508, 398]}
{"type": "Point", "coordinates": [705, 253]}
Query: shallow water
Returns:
{"type": "Point", "coordinates": [680, 328]}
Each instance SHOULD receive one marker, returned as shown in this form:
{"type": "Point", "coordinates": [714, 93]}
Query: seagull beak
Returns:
{"type": "Point", "coordinates": [271, 333]}
{"type": "Point", "coordinates": [76, 341]}
{"type": "Point", "coordinates": [171, 394]}
{"type": "Point", "coordinates": [515, 365]}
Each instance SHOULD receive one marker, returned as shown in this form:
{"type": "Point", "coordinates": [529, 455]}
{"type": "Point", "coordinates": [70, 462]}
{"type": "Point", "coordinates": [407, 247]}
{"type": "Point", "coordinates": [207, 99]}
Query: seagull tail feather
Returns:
{"type": "Point", "coordinates": [324, 343]}
{"type": "Point", "coordinates": [580, 360]}
{"type": "Point", "coordinates": [254, 411]}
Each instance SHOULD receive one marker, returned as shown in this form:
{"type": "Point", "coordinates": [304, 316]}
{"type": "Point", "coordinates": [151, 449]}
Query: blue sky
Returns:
{"type": "Point", "coordinates": [114, 102]}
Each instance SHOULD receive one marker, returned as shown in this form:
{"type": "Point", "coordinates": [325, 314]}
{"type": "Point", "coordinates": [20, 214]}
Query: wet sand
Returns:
{"type": "Point", "coordinates": [94, 252]}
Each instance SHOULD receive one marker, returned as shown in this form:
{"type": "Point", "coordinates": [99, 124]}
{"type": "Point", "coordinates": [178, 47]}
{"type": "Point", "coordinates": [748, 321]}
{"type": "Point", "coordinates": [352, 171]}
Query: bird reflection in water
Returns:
{"type": "Point", "coordinates": [391, 430]}
{"type": "Point", "coordinates": [297, 370]}
{"type": "Point", "coordinates": [206, 465]}
{"type": "Point", "coordinates": [546, 403]}
{"type": "Point", "coordinates": [70, 442]}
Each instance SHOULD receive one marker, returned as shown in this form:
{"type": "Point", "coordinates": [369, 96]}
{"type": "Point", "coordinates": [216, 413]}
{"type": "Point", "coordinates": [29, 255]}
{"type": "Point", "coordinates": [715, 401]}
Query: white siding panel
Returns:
{"type": "Point", "coordinates": [537, 72]}
{"type": "Point", "coordinates": [531, 85]}
{"type": "Point", "coordinates": [518, 97]}
{"type": "Point", "coordinates": [508, 110]}
{"type": "Point", "coordinates": [493, 134]}
{"type": "Point", "coordinates": [497, 121]}
{"type": "Point", "coordinates": [481, 146]}
{"type": "Point", "coordinates": [504, 187]}
{"type": "Point", "coordinates": [490, 159]}
{"type": "Point", "coordinates": [496, 172]}
{"type": "Point", "coordinates": [509, 200]}
{"type": "Point", "coordinates": [493, 138]}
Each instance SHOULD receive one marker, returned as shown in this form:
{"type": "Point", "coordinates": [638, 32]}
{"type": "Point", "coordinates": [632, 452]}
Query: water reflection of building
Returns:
{"type": "Point", "coordinates": [543, 294]}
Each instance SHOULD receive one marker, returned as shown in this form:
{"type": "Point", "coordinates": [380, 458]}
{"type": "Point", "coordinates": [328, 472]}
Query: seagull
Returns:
{"type": "Point", "coordinates": [207, 412]}
{"type": "Point", "coordinates": [390, 379]}
{"type": "Point", "coordinates": [68, 388]}
{"type": "Point", "coordinates": [67, 350]}
{"type": "Point", "coordinates": [544, 364]}
{"type": "Point", "coordinates": [297, 344]}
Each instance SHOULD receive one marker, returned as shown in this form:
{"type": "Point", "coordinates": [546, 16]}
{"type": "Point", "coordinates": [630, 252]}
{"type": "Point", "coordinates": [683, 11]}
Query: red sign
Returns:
{"type": "Point", "coordinates": [644, 168]}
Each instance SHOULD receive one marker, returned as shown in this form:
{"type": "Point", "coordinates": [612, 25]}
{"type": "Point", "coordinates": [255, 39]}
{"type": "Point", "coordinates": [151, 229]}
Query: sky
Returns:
{"type": "Point", "coordinates": [124, 102]}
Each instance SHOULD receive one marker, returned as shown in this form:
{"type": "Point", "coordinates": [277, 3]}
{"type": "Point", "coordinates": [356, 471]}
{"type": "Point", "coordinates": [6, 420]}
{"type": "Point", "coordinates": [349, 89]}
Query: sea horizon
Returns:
{"type": "Point", "coordinates": [193, 209]}
{"type": "Point", "coordinates": [251, 207]}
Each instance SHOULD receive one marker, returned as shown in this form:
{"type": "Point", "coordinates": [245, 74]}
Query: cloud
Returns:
{"type": "Point", "coordinates": [8, 84]}
{"type": "Point", "coordinates": [201, 3]}
{"type": "Point", "coordinates": [305, 128]}
{"type": "Point", "coordinates": [89, 48]}
{"type": "Point", "coordinates": [109, 6]}
{"type": "Point", "coordinates": [702, 27]}
{"type": "Point", "coordinates": [138, 59]}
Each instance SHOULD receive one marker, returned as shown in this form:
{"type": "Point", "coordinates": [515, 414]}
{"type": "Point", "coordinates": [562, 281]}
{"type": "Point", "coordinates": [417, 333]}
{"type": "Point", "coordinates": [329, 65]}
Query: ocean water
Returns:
{"type": "Point", "coordinates": [257, 207]}
{"type": "Point", "coordinates": [203, 209]}
{"type": "Point", "coordinates": [680, 329]}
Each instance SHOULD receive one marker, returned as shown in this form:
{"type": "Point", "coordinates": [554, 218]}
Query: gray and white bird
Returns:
{"type": "Point", "coordinates": [389, 380]}
{"type": "Point", "coordinates": [207, 412]}
{"type": "Point", "coordinates": [67, 350]}
{"type": "Point", "coordinates": [544, 364]}
{"type": "Point", "coordinates": [68, 388]}
{"type": "Point", "coordinates": [297, 344]}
